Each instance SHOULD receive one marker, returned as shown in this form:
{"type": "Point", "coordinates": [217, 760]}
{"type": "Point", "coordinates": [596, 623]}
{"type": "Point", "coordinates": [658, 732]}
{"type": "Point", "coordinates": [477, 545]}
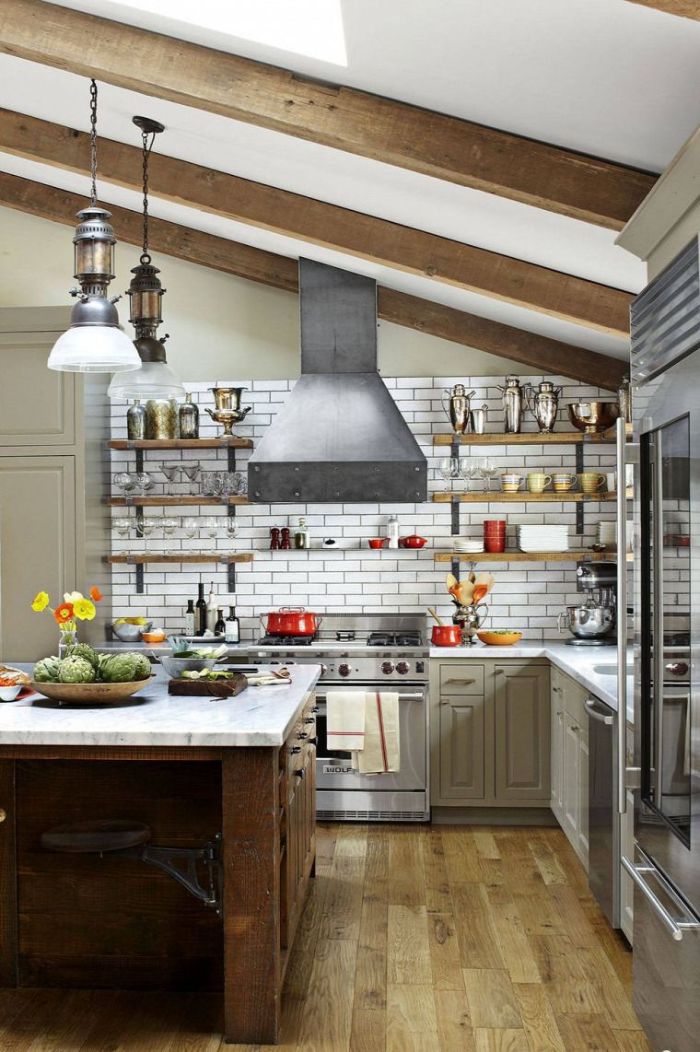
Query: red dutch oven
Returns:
{"type": "Point", "coordinates": [291, 621]}
{"type": "Point", "coordinates": [446, 636]}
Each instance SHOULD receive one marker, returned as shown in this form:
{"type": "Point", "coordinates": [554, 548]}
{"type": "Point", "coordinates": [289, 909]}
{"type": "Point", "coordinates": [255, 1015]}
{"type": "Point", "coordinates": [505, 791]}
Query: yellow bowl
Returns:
{"type": "Point", "coordinates": [499, 637]}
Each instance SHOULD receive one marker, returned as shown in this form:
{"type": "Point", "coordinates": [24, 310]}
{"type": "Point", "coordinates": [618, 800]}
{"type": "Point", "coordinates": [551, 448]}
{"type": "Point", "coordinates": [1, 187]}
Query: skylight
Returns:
{"type": "Point", "coordinates": [313, 28]}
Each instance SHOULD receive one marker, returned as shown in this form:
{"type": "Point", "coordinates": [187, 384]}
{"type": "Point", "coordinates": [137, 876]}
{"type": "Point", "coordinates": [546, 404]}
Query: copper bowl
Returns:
{"type": "Point", "coordinates": [593, 417]}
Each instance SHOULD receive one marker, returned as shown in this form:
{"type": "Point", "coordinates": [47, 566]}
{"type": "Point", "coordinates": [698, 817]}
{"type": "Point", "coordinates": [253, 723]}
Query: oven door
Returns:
{"type": "Point", "coordinates": [667, 714]}
{"type": "Point", "coordinates": [334, 770]}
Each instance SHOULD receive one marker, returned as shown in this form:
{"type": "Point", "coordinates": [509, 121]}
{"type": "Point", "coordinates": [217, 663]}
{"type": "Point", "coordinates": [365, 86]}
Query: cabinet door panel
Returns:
{"type": "Point", "coordinates": [522, 733]}
{"type": "Point", "coordinates": [572, 779]}
{"type": "Point", "coordinates": [37, 550]}
{"type": "Point", "coordinates": [37, 405]}
{"type": "Point", "coordinates": [463, 677]}
{"type": "Point", "coordinates": [557, 755]}
{"type": "Point", "coordinates": [461, 748]}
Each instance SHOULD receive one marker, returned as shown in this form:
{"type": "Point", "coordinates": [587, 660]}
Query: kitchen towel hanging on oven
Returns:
{"type": "Point", "coordinates": [345, 725]}
{"type": "Point", "coordinates": [382, 747]}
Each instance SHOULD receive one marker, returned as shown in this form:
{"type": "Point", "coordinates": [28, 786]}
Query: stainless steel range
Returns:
{"type": "Point", "coordinates": [366, 652]}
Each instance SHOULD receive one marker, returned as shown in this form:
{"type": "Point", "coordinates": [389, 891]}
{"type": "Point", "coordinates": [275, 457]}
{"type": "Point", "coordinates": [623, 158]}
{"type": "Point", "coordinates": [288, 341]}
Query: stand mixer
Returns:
{"type": "Point", "coordinates": [594, 622]}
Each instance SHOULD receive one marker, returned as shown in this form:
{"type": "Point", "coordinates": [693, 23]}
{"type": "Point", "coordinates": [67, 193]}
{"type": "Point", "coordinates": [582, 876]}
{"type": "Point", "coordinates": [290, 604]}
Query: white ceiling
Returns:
{"type": "Point", "coordinates": [583, 78]}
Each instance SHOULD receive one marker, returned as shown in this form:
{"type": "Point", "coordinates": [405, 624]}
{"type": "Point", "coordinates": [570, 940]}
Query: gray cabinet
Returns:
{"type": "Point", "coordinates": [490, 733]}
{"type": "Point", "coordinates": [569, 760]}
{"type": "Point", "coordinates": [37, 405]}
{"type": "Point", "coordinates": [521, 739]}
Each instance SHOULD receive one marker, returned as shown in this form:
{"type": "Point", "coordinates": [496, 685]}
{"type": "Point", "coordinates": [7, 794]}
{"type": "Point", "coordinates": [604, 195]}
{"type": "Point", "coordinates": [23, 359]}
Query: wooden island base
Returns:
{"type": "Point", "coordinates": [87, 921]}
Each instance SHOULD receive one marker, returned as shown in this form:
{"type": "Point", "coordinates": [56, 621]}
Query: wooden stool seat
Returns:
{"type": "Point", "coordinates": [95, 837]}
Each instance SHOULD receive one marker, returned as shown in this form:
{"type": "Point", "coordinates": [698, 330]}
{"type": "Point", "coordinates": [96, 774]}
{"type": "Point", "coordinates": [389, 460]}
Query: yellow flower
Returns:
{"type": "Point", "coordinates": [72, 597]}
{"type": "Point", "coordinates": [41, 601]}
{"type": "Point", "coordinates": [83, 609]}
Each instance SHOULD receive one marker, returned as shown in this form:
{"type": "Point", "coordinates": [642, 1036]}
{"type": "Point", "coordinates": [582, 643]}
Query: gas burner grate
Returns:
{"type": "Point", "coordinates": [394, 639]}
{"type": "Point", "coordinates": [286, 641]}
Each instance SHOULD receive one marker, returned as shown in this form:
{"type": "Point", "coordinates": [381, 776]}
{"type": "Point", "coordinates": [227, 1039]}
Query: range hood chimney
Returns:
{"type": "Point", "coordinates": [340, 436]}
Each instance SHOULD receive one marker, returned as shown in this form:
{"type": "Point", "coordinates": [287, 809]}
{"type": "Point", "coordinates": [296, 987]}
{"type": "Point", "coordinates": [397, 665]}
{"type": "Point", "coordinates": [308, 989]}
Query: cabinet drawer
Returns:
{"type": "Point", "coordinates": [461, 678]}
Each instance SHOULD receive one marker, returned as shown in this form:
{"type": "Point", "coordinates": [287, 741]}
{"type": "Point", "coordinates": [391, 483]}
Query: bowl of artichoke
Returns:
{"type": "Point", "coordinates": [84, 677]}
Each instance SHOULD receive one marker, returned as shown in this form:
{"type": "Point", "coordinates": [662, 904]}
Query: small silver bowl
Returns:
{"type": "Point", "coordinates": [131, 633]}
{"type": "Point", "coordinates": [175, 666]}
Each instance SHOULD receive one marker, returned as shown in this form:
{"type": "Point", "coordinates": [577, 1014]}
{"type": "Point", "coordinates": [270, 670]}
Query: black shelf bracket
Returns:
{"type": "Point", "coordinates": [580, 518]}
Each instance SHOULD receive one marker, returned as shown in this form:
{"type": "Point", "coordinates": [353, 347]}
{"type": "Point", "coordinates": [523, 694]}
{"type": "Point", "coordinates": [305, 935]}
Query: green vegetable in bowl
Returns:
{"type": "Point", "coordinates": [143, 666]}
{"type": "Point", "coordinates": [75, 670]}
{"type": "Point", "coordinates": [119, 668]}
{"type": "Point", "coordinates": [84, 650]}
{"type": "Point", "coordinates": [46, 670]}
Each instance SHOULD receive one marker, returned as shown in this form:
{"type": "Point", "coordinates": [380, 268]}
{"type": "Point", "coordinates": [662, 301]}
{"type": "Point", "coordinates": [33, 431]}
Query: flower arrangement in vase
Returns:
{"type": "Point", "coordinates": [75, 607]}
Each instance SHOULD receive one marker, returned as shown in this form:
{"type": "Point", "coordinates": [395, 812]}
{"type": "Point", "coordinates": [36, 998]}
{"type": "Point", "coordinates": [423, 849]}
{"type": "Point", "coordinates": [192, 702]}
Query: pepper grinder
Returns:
{"type": "Point", "coordinates": [286, 542]}
{"type": "Point", "coordinates": [274, 538]}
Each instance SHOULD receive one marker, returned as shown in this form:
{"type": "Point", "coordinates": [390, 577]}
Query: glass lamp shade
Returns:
{"type": "Point", "coordinates": [152, 380]}
{"type": "Point", "coordinates": [93, 349]}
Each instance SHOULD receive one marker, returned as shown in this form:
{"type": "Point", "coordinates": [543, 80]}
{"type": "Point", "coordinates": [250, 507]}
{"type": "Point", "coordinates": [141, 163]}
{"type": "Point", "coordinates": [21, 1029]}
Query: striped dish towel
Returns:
{"type": "Point", "coordinates": [382, 745]}
{"type": "Point", "coordinates": [345, 720]}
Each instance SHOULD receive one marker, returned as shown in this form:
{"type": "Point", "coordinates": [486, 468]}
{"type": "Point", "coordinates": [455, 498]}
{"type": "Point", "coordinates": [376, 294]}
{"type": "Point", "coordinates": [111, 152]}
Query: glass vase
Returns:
{"type": "Point", "coordinates": [67, 638]}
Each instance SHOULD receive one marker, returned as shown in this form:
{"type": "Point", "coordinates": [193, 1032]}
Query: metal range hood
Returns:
{"type": "Point", "coordinates": [340, 436]}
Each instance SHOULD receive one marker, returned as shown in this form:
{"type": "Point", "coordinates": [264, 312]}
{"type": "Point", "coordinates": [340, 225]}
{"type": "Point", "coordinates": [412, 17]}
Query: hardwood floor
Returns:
{"type": "Point", "coordinates": [414, 939]}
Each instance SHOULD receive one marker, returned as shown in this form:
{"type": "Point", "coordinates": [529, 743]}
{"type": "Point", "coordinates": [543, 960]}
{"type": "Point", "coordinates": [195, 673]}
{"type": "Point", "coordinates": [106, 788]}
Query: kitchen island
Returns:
{"type": "Point", "coordinates": [238, 774]}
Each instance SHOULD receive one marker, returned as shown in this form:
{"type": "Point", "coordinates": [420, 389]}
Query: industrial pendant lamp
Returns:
{"type": "Point", "coordinates": [154, 379]}
{"type": "Point", "coordinates": [94, 343]}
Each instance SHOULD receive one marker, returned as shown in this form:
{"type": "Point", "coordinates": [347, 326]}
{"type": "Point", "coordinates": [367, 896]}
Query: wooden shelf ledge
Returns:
{"type": "Point", "coordinates": [497, 497]}
{"type": "Point", "coordinates": [526, 438]}
{"type": "Point", "coordinates": [181, 443]}
{"type": "Point", "coordinates": [187, 500]}
{"type": "Point", "coordinates": [140, 558]}
{"type": "Point", "coordinates": [575, 556]}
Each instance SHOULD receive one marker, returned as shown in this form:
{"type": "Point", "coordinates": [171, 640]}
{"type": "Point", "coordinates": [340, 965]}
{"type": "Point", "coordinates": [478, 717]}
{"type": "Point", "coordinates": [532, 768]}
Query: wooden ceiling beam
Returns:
{"type": "Point", "coordinates": [541, 353]}
{"type": "Point", "coordinates": [684, 8]}
{"type": "Point", "coordinates": [434, 144]}
{"type": "Point", "coordinates": [404, 248]}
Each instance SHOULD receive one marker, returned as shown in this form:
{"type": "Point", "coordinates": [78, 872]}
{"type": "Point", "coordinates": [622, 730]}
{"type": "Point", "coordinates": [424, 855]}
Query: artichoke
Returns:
{"type": "Point", "coordinates": [75, 670]}
{"type": "Point", "coordinates": [143, 666]}
{"type": "Point", "coordinates": [119, 668]}
{"type": "Point", "coordinates": [46, 670]}
{"type": "Point", "coordinates": [84, 650]}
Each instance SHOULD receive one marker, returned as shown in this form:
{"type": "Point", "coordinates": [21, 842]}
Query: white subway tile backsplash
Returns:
{"type": "Point", "coordinates": [348, 577]}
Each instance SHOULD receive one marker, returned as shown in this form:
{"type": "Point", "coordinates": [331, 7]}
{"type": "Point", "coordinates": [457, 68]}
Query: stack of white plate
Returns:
{"type": "Point", "coordinates": [543, 538]}
{"type": "Point", "coordinates": [607, 533]}
{"type": "Point", "coordinates": [468, 545]}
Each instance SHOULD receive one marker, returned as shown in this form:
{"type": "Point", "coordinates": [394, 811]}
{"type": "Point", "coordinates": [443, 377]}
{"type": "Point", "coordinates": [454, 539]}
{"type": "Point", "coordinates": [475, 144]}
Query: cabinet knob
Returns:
{"type": "Point", "coordinates": [3, 814]}
{"type": "Point", "coordinates": [299, 774]}
{"type": "Point", "coordinates": [295, 750]}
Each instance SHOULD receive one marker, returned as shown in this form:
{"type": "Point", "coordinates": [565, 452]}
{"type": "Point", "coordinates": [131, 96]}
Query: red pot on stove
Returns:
{"type": "Point", "coordinates": [290, 621]}
{"type": "Point", "coordinates": [446, 636]}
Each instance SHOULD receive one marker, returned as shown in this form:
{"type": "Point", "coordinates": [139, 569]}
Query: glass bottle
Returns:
{"type": "Point", "coordinates": [302, 540]}
{"type": "Point", "coordinates": [220, 625]}
{"type": "Point", "coordinates": [188, 417]}
{"type": "Point", "coordinates": [392, 532]}
{"type": "Point", "coordinates": [161, 421]}
{"type": "Point", "coordinates": [211, 608]}
{"type": "Point", "coordinates": [189, 618]}
{"type": "Point", "coordinates": [232, 632]}
{"type": "Point", "coordinates": [136, 421]}
{"type": "Point", "coordinates": [200, 621]}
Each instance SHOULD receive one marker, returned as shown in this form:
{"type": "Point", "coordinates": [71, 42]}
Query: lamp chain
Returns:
{"type": "Point", "coordinates": [147, 147]}
{"type": "Point", "coordinates": [93, 143]}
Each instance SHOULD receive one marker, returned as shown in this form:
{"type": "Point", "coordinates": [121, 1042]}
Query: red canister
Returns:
{"type": "Point", "coordinates": [494, 535]}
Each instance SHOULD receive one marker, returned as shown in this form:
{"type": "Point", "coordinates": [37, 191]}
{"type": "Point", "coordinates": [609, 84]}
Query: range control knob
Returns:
{"type": "Point", "coordinates": [387, 667]}
{"type": "Point", "coordinates": [343, 670]}
{"type": "Point", "coordinates": [402, 667]}
{"type": "Point", "coordinates": [677, 668]}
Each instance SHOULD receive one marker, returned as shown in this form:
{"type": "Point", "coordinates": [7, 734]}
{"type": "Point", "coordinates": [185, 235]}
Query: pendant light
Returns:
{"type": "Point", "coordinates": [155, 379]}
{"type": "Point", "coordinates": [94, 343]}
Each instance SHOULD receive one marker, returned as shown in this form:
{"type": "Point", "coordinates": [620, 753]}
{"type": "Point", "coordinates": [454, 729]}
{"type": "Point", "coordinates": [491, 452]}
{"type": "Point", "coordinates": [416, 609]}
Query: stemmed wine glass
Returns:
{"type": "Point", "coordinates": [231, 528]}
{"type": "Point", "coordinates": [168, 525]}
{"type": "Point", "coordinates": [145, 527]}
{"type": "Point", "coordinates": [211, 527]}
{"type": "Point", "coordinates": [170, 471]}
{"type": "Point", "coordinates": [190, 527]}
{"type": "Point", "coordinates": [143, 481]}
{"type": "Point", "coordinates": [124, 481]}
{"type": "Point", "coordinates": [123, 527]}
{"type": "Point", "coordinates": [487, 470]}
{"type": "Point", "coordinates": [449, 469]}
{"type": "Point", "coordinates": [191, 473]}
{"type": "Point", "coordinates": [468, 471]}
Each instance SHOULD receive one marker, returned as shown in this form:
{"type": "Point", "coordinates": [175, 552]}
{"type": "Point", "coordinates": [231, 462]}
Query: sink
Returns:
{"type": "Point", "coordinates": [609, 670]}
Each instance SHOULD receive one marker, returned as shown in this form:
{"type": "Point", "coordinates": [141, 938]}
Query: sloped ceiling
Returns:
{"type": "Point", "coordinates": [602, 76]}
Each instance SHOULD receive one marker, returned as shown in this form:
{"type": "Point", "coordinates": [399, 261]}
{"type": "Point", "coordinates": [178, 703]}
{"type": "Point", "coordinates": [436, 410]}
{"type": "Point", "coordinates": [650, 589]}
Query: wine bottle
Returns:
{"type": "Point", "coordinates": [200, 620]}
{"type": "Point", "coordinates": [220, 626]}
{"type": "Point", "coordinates": [233, 628]}
{"type": "Point", "coordinates": [189, 618]}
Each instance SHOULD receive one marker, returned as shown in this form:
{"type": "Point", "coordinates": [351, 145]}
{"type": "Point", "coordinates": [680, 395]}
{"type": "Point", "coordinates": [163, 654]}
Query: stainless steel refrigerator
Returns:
{"type": "Point", "coordinates": [666, 867]}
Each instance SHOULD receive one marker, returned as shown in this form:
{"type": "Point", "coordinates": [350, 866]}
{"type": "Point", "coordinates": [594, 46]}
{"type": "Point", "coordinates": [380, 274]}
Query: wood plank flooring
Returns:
{"type": "Point", "coordinates": [414, 939]}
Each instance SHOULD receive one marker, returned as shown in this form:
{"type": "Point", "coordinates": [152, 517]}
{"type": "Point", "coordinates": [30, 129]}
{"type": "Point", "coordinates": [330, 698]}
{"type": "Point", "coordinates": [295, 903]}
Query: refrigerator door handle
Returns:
{"type": "Point", "coordinates": [621, 443]}
{"type": "Point", "coordinates": [677, 928]}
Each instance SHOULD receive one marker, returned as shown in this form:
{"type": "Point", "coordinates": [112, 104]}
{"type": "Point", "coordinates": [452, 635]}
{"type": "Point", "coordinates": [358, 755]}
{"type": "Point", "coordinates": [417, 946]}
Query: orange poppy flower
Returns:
{"type": "Point", "coordinates": [95, 594]}
{"type": "Point", "coordinates": [63, 613]}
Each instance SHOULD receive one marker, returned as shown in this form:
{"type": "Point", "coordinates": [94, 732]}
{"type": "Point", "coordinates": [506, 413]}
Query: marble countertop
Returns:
{"type": "Point", "coordinates": [259, 716]}
{"type": "Point", "coordinates": [595, 668]}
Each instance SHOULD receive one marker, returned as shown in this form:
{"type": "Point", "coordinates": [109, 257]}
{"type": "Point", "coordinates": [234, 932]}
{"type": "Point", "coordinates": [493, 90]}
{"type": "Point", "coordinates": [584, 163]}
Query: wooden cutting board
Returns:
{"type": "Point", "coordinates": [208, 688]}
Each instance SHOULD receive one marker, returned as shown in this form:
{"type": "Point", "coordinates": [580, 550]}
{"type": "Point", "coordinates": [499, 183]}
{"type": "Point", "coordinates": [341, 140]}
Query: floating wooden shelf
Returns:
{"type": "Point", "coordinates": [525, 438]}
{"type": "Point", "coordinates": [497, 497]}
{"type": "Point", "coordinates": [168, 502]}
{"type": "Point", "coordinates": [527, 557]}
{"type": "Point", "coordinates": [140, 558]}
{"type": "Point", "coordinates": [181, 443]}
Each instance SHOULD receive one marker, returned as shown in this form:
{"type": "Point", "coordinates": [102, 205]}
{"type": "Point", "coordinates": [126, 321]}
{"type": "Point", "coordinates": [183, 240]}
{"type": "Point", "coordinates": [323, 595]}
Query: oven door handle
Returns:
{"type": "Point", "coordinates": [596, 714]}
{"type": "Point", "coordinates": [418, 696]}
{"type": "Point", "coordinates": [676, 928]}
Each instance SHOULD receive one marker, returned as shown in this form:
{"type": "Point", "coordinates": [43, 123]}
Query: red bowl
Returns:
{"type": "Point", "coordinates": [446, 636]}
{"type": "Point", "coordinates": [413, 541]}
{"type": "Point", "coordinates": [377, 542]}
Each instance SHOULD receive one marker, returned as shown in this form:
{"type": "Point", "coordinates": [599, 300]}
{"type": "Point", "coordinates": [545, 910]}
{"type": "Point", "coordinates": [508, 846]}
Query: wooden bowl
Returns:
{"type": "Point", "coordinates": [90, 693]}
{"type": "Point", "coordinates": [499, 637]}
